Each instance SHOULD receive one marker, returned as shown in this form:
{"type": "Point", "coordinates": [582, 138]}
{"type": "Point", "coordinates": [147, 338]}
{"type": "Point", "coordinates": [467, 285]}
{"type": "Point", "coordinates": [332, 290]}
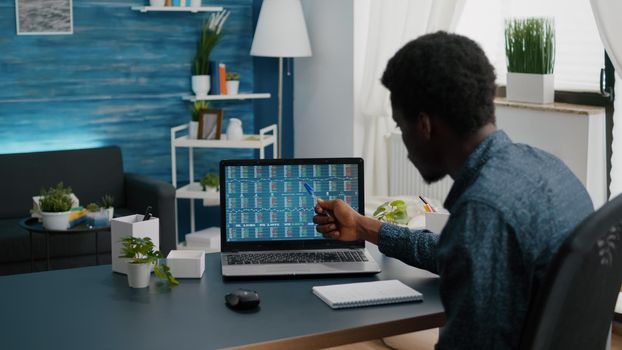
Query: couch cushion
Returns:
{"type": "Point", "coordinates": [91, 173]}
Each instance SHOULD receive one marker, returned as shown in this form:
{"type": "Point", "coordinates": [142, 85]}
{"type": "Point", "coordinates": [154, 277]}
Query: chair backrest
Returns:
{"type": "Point", "coordinates": [573, 308]}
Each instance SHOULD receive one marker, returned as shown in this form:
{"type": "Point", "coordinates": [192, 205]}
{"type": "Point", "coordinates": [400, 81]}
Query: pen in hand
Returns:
{"type": "Point", "coordinates": [315, 199]}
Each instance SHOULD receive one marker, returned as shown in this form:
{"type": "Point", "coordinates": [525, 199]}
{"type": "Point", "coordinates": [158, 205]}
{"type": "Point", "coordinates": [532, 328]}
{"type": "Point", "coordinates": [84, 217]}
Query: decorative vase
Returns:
{"type": "Point", "coordinates": [157, 3]}
{"type": "Point", "coordinates": [56, 221]}
{"type": "Point", "coordinates": [531, 88]}
{"type": "Point", "coordinates": [193, 130]}
{"type": "Point", "coordinates": [200, 85]}
{"type": "Point", "coordinates": [232, 87]}
{"type": "Point", "coordinates": [195, 3]}
{"type": "Point", "coordinates": [138, 275]}
{"type": "Point", "coordinates": [110, 213]}
{"type": "Point", "coordinates": [234, 130]}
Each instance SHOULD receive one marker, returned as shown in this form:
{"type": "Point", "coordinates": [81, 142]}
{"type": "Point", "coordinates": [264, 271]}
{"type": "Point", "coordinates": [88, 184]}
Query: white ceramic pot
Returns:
{"type": "Point", "coordinates": [157, 3]}
{"type": "Point", "coordinates": [110, 213]}
{"type": "Point", "coordinates": [195, 3]}
{"type": "Point", "coordinates": [138, 275]}
{"type": "Point", "coordinates": [234, 130]}
{"type": "Point", "coordinates": [56, 221]}
{"type": "Point", "coordinates": [211, 189]}
{"type": "Point", "coordinates": [193, 130]}
{"type": "Point", "coordinates": [200, 85]}
{"type": "Point", "coordinates": [532, 88]}
{"type": "Point", "coordinates": [233, 87]}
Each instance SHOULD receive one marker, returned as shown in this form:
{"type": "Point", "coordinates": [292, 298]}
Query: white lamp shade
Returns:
{"type": "Point", "coordinates": [281, 30]}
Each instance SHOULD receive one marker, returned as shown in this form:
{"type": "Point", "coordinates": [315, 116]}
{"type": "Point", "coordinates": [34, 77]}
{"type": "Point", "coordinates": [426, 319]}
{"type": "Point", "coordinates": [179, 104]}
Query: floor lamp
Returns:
{"type": "Point", "coordinates": [281, 32]}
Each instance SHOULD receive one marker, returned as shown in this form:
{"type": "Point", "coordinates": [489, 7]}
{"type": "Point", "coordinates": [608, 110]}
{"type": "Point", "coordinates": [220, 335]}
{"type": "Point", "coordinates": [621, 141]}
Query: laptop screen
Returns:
{"type": "Point", "coordinates": [266, 203]}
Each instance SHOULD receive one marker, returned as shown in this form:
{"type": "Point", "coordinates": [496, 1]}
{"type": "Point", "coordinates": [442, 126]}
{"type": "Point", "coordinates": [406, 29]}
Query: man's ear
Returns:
{"type": "Point", "coordinates": [424, 126]}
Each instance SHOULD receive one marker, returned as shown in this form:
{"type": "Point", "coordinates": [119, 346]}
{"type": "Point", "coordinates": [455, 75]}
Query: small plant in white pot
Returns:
{"type": "Point", "coordinates": [55, 204]}
{"type": "Point", "coordinates": [530, 53]}
{"type": "Point", "coordinates": [210, 34]}
{"type": "Point", "coordinates": [142, 256]}
{"type": "Point", "coordinates": [107, 203]}
{"type": "Point", "coordinates": [210, 182]}
{"type": "Point", "coordinates": [233, 83]}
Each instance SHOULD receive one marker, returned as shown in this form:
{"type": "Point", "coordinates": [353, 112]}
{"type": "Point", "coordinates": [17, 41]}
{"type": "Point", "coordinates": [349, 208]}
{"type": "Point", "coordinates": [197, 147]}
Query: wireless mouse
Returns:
{"type": "Point", "coordinates": [242, 299]}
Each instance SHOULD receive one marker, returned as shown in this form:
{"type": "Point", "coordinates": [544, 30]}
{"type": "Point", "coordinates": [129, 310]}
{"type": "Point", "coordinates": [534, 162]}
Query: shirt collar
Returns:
{"type": "Point", "coordinates": [474, 163]}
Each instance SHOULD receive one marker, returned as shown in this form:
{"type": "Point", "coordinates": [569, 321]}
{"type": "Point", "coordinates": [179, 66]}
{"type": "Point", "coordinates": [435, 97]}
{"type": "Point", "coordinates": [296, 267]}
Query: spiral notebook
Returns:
{"type": "Point", "coordinates": [339, 296]}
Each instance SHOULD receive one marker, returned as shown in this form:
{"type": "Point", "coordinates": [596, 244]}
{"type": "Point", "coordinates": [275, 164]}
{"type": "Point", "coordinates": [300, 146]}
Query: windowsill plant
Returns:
{"type": "Point", "coordinates": [530, 53]}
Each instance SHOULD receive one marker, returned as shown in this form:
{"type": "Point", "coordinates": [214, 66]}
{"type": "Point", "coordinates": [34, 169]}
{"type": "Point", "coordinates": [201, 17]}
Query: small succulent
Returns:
{"type": "Point", "coordinates": [233, 76]}
{"type": "Point", "coordinates": [92, 207]}
{"type": "Point", "coordinates": [107, 201]}
{"type": "Point", "coordinates": [210, 180]}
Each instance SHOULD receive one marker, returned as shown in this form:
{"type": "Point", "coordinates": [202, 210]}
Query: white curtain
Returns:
{"type": "Point", "coordinates": [607, 14]}
{"type": "Point", "coordinates": [390, 24]}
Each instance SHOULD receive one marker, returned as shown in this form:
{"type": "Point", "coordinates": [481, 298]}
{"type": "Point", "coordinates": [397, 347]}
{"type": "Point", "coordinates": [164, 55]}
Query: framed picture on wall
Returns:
{"type": "Point", "coordinates": [210, 123]}
{"type": "Point", "coordinates": [44, 17]}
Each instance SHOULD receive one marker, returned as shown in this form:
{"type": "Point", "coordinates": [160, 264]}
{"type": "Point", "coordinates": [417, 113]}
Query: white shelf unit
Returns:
{"type": "Point", "coordinates": [267, 137]}
{"type": "Point", "coordinates": [242, 96]}
{"type": "Point", "coordinates": [144, 9]}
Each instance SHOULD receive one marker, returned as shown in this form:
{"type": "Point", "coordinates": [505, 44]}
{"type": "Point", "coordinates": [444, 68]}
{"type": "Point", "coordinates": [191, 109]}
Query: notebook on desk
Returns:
{"type": "Point", "coordinates": [267, 217]}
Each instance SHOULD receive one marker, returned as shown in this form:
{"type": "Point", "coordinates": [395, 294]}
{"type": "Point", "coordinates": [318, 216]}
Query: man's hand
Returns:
{"type": "Point", "coordinates": [336, 220]}
{"type": "Point", "coordinates": [340, 223]}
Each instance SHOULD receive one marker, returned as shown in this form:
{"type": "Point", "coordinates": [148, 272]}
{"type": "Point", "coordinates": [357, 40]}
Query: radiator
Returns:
{"type": "Point", "coordinates": [404, 178]}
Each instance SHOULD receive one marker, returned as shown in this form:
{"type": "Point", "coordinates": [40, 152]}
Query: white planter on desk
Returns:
{"type": "Point", "coordinates": [131, 225]}
{"type": "Point", "coordinates": [138, 275]}
{"type": "Point", "coordinates": [532, 88]}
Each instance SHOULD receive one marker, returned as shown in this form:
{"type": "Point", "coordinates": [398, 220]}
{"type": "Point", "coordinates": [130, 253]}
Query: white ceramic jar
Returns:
{"type": "Point", "coordinates": [234, 130]}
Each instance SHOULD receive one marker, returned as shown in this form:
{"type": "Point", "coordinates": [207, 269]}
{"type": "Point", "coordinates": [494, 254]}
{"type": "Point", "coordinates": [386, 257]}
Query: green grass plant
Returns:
{"type": "Point", "coordinates": [530, 45]}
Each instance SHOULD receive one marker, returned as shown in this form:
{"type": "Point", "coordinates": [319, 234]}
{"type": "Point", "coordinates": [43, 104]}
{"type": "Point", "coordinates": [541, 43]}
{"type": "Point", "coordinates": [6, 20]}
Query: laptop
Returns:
{"type": "Point", "coordinates": [267, 217]}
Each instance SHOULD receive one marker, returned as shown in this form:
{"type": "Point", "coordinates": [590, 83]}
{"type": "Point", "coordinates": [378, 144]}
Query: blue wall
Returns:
{"type": "Point", "coordinates": [118, 80]}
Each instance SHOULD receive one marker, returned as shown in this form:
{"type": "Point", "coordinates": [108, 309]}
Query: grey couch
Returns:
{"type": "Point", "coordinates": [91, 173]}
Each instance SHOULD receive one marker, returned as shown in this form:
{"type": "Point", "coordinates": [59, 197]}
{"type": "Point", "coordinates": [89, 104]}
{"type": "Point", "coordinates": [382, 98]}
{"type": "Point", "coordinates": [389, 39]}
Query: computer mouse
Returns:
{"type": "Point", "coordinates": [242, 299]}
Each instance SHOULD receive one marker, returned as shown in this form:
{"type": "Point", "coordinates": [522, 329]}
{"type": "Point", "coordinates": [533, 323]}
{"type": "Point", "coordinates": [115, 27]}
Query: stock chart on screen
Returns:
{"type": "Point", "coordinates": [270, 202]}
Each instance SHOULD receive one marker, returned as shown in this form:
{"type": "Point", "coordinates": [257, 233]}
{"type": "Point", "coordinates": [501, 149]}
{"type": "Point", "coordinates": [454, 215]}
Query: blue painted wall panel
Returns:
{"type": "Point", "coordinates": [117, 80]}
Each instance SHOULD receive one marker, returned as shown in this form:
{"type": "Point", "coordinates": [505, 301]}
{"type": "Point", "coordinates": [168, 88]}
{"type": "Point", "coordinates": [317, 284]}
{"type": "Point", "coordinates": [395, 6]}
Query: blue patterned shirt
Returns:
{"type": "Point", "coordinates": [511, 207]}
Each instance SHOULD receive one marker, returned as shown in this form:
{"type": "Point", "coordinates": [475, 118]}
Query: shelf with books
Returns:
{"type": "Point", "coordinates": [144, 9]}
{"type": "Point", "coordinates": [242, 96]}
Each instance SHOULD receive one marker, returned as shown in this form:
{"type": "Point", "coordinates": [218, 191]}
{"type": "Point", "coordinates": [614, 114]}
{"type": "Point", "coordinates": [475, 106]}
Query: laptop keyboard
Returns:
{"type": "Point", "coordinates": [296, 257]}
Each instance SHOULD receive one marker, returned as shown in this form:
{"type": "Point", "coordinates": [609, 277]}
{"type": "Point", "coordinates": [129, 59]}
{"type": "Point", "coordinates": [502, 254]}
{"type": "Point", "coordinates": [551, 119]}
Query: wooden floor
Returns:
{"type": "Point", "coordinates": [425, 340]}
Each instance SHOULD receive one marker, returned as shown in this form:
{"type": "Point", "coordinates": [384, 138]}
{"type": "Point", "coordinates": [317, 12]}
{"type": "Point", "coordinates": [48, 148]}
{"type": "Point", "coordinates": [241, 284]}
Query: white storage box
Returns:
{"type": "Point", "coordinates": [435, 222]}
{"type": "Point", "coordinates": [186, 263]}
{"type": "Point", "coordinates": [131, 225]}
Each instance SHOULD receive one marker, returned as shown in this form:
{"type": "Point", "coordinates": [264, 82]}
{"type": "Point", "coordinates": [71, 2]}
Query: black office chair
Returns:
{"type": "Point", "coordinates": [573, 309]}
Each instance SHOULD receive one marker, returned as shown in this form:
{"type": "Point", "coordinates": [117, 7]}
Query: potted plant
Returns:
{"type": "Point", "coordinates": [195, 110]}
{"type": "Point", "coordinates": [55, 204]}
{"type": "Point", "coordinates": [393, 212]}
{"type": "Point", "coordinates": [210, 34]}
{"type": "Point", "coordinates": [107, 203]}
{"type": "Point", "coordinates": [210, 182]}
{"type": "Point", "coordinates": [143, 255]}
{"type": "Point", "coordinates": [530, 53]}
{"type": "Point", "coordinates": [233, 83]}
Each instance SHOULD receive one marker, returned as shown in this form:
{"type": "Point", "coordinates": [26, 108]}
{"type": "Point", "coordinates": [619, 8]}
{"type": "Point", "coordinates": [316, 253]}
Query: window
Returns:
{"type": "Point", "coordinates": [579, 56]}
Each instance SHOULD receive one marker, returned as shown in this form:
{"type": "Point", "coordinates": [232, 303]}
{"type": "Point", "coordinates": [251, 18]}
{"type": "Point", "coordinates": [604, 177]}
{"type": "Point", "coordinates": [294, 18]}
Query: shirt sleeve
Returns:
{"type": "Point", "coordinates": [473, 254]}
{"type": "Point", "coordinates": [414, 247]}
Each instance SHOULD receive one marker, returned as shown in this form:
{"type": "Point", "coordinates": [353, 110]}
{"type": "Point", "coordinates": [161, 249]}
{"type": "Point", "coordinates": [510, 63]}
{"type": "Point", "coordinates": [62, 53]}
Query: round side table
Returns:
{"type": "Point", "coordinates": [32, 225]}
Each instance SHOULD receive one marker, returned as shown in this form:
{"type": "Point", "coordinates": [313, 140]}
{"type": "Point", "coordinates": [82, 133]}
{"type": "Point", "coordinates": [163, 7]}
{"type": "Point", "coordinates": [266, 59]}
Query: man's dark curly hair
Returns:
{"type": "Point", "coordinates": [446, 75]}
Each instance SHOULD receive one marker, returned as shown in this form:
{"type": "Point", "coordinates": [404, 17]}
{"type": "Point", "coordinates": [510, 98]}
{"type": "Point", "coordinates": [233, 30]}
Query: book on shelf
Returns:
{"type": "Point", "coordinates": [214, 78]}
{"type": "Point", "coordinates": [223, 78]}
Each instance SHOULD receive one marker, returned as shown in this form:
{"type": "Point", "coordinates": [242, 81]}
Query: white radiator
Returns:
{"type": "Point", "coordinates": [404, 178]}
